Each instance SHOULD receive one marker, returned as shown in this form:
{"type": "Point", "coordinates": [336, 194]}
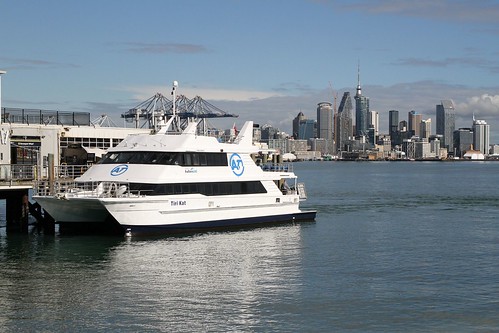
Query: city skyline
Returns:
{"type": "Point", "coordinates": [265, 61]}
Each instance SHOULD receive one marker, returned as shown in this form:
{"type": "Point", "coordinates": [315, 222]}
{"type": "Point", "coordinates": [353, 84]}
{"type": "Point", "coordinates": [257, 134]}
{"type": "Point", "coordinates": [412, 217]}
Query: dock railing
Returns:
{"type": "Point", "coordinates": [29, 173]}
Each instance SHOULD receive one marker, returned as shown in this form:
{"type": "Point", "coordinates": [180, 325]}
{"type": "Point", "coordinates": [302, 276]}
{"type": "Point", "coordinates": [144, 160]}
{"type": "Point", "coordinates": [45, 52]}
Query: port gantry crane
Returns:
{"type": "Point", "coordinates": [157, 108]}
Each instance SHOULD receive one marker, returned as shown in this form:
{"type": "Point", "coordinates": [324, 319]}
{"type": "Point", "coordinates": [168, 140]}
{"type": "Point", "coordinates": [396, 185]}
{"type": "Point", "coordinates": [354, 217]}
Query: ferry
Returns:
{"type": "Point", "coordinates": [177, 179]}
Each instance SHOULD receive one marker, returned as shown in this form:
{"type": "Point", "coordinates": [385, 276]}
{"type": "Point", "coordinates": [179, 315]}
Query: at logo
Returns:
{"type": "Point", "coordinates": [119, 170]}
{"type": "Point", "coordinates": [236, 164]}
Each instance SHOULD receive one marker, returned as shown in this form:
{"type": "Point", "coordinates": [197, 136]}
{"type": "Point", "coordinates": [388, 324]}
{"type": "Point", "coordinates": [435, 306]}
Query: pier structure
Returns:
{"type": "Point", "coordinates": [46, 146]}
{"type": "Point", "coordinates": [36, 145]}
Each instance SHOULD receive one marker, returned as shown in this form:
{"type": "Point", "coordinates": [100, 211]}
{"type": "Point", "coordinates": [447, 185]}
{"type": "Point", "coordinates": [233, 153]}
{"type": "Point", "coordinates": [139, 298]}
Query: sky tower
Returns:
{"type": "Point", "coordinates": [361, 110]}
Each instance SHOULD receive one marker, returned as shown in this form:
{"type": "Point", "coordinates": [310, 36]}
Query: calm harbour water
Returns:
{"type": "Point", "coordinates": [396, 246]}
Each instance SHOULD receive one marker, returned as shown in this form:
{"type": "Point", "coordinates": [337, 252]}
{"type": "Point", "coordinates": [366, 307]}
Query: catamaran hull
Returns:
{"type": "Point", "coordinates": [73, 210]}
{"type": "Point", "coordinates": [305, 216]}
{"type": "Point", "coordinates": [132, 216]}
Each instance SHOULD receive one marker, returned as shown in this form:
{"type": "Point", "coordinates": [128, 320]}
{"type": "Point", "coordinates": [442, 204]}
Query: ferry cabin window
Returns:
{"type": "Point", "coordinates": [208, 189]}
{"type": "Point", "coordinates": [166, 158]}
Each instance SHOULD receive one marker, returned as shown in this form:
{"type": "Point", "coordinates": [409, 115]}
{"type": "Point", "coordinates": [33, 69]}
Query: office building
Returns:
{"type": "Point", "coordinates": [374, 121]}
{"type": "Point", "coordinates": [303, 128]}
{"type": "Point", "coordinates": [481, 136]}
{"type": "Point", "coordinates": [325, 123]}
{"type": "Point", "coordinates": [446, 123]}
{"type": "Point", "coordinates": [393, 123]}
{"type": "Point", "coordinates": [296, 124]}
{"type": "Point", "coordinates": [463, 141]}
{"type": "Point", "coordinates": [344, 126]}
{"type": "Point", "coordinates": [425, 129]}
{"type": "Point", "coordinates": [414, 120]}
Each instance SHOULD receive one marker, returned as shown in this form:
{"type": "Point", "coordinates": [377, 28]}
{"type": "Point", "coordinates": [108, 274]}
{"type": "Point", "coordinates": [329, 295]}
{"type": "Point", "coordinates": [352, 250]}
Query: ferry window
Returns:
{"type": "Point", "coordinates": [195, 159]}
{"type": "Point", "coordinates": [202, 159]}
{"type": "Point", "coordinates": [208, 189]}
{"type": "Point", "coordinates": [187, 160]}
{"type": "Point", "coordinates": [179, 159]}
{"type": "Point", "coordinates": [169, 189]}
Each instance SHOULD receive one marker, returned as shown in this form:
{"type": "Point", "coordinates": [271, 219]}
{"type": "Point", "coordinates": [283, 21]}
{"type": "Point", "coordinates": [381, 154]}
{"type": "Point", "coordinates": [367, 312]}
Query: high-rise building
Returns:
{"type": "Point", "coordinates": [303, 128]}
{"type": "Point", "coordinates": [414, 121]}
{"type": "Point", "coordinates": [307, 129]}
{"type": "Point", "coordinates": [393, 125]}
{"type": "Point", "coordinates": [361, 110]}
{"type": "Point", "coordinates": [481, 136]}
{"type": "Point", "coordinates": [296, 124]}
{"type": "Point", "coordinates": [344, 126]}
{"type": "Point", "coordinates": [463, 141]}
{"type": "Point", "coordinates": [325, 123]}
{"type": "Point", "coordinates": [425, 129]}
{"type": "Point", "coordinates": [446, 123]}
{"type": "Point", "coordinates": [374, 121]}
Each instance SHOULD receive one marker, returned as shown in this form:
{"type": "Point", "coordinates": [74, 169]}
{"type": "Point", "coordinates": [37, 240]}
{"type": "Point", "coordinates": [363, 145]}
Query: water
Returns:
{"type": "Point", "coordinates": [395, 247]}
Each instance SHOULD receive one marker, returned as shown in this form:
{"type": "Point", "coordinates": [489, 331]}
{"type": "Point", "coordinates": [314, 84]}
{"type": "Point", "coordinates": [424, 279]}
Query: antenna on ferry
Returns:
{"type": "Point", "coordinates": [175, 85]}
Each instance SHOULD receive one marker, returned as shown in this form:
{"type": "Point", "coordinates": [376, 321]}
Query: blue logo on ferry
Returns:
{"type": "Point", "coordinates": [236, 164]}
{"type": "Point", "coordinates": [119, 170]}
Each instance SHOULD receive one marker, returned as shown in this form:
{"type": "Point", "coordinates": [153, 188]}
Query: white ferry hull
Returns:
{"type": "Point", "coordinates": [159, 215]}
{"type": "Point", "coordinates": [153, 215]}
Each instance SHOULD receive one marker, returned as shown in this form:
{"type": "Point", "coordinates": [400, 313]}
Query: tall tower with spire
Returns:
{"type": "Point", "coordinates": [361, 109]}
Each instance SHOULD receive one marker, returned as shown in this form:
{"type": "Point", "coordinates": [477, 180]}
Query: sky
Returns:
{"type": "Point", "coordinates": [265, 60]}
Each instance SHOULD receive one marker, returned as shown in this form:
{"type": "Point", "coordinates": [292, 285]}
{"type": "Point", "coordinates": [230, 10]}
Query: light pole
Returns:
{"type": "Point", "coordinates": [175, 85]}
{"type": "Point", "coordinates": [1, 117]}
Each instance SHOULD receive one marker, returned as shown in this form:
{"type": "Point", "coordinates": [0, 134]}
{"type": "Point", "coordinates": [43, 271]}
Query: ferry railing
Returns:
{"type": "Point", "coordinates": [67, 188]}
{"type": "Point", "coordinates": [70, 171]}
{"type": "Point", "coordinates": [277, 167]}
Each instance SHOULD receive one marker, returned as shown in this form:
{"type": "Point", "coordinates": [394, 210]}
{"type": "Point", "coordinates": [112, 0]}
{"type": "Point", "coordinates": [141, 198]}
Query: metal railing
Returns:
{"type": "Point", "coordinates": [15, 172]}
{"type": "Point", "coordinates": [279, 167]}
{"type": "Point", "coordinates": [67, 188]}
{"type": "Point", "coordinates": [45, 117]}
{"type": "Point", "coordinates": [29, 172]}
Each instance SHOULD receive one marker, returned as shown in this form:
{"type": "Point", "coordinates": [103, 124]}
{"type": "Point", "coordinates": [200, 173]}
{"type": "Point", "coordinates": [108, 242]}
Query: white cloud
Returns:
{"type": "Point", "coordinates": [141, 93]}
{"type": "Point", "coordinates": [483, 106]}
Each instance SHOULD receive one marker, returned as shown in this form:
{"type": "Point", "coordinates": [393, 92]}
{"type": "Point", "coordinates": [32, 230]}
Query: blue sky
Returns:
{"type": "Point", "coordinates": [264, 60]}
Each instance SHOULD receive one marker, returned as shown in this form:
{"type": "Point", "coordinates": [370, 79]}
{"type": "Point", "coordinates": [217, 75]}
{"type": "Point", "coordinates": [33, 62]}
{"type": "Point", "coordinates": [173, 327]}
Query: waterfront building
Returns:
{"type": "Point", "coordinates": [296, 145]}
{"type": "Point", "coordinates": [319, 145]}
{"type": "Point", "coordinates": [393, 123]}
{"type": "Point", "coordinates": [344, 125]}
{"type": "Point", "coordinates": [325, 124]}
{"type": "Point", "coordinates": [481, 136]}
{"type": "Point", "coordinates": [361, 111]}
{"type": "Point", "coordinates": [435, 144]}
{"type": "Point", "coordinates": [463, 141]}
{"type": "Point", "coordinates": [446, 123]}
{"type": "Point", "coordinates": [31, 144]}
{"type": "Point", "coordinates": [423, 150]}
{"type": "Point", "coordinates": [278, 144]}
{"type": "Point", "coordinates": [414, 121]}
{"type": "Point", "coordinates": [409, 148]}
